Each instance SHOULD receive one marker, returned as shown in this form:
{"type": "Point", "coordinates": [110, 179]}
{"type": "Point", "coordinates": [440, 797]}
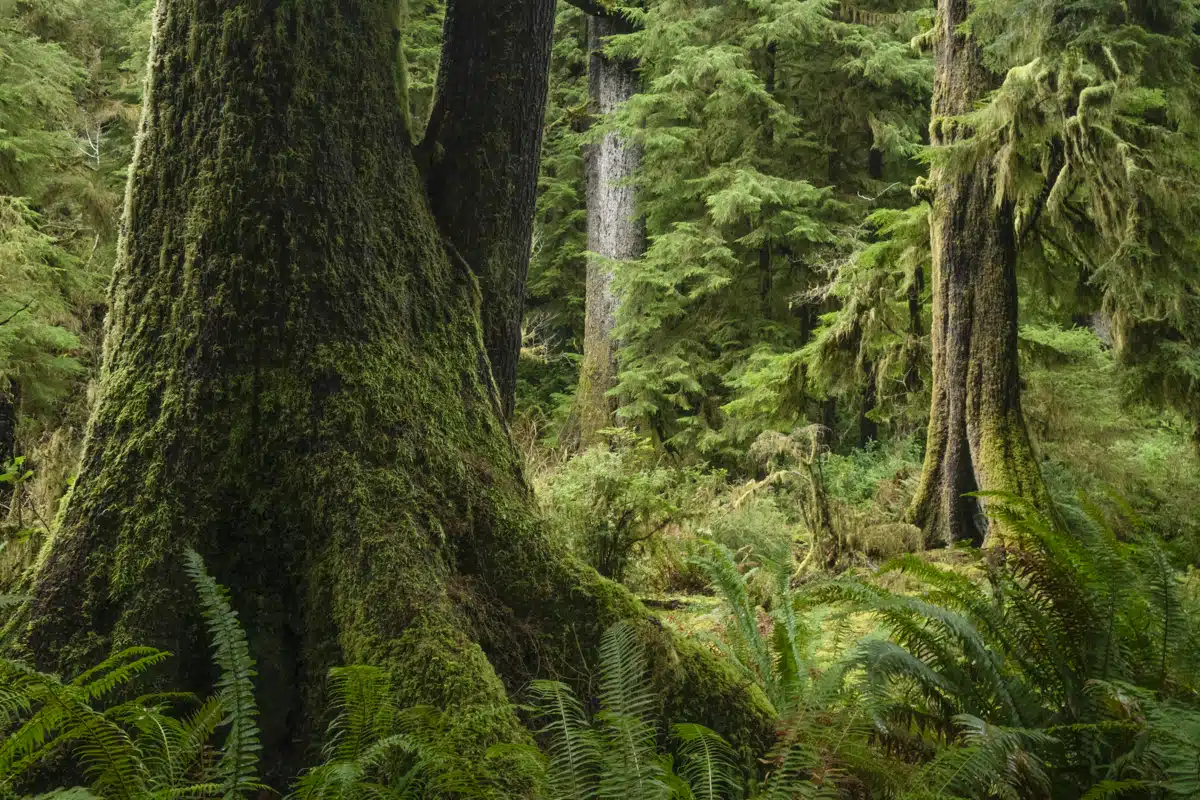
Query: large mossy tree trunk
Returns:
{"type": "Point", "coordinates": [485, 140]}
{"type": "Point", "coordinates": [977, 437]}
{"type": "Point", "coordinates": [295, 384]}
{"type": "Point", "coordinates": [615, 231]}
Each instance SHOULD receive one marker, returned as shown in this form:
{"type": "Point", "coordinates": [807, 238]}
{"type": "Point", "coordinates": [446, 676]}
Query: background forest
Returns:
{"type": "Point", "coordinates": [860, 342]}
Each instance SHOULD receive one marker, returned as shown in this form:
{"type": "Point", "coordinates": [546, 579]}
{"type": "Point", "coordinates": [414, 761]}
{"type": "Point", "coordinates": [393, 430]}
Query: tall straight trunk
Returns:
{"type": "Point", "coordinates": [912, 350]}
{"type": "Point", "coordinates": [485, 154]}
{"type": "Point", "coordinates": [295, 384]}
{"type": "Point", "coordinates": [868, 429]}
{"type": "Point", "coordinates": [615, 231]}
{"type": "Point", "coordinates": [9, 403]}
{"type": "Point", "coordinates": [766, 269]}
{"type": "Point", "coordinates": [977, 437]}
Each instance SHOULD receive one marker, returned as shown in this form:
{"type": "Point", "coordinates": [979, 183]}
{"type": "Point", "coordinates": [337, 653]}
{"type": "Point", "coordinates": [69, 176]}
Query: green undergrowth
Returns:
{"type": "Point", "coordinates": [794, 492]}
{"type": "Point", "coordinates": [1063, 662]}
{"type": "Point", "coordinates": [118, 743]}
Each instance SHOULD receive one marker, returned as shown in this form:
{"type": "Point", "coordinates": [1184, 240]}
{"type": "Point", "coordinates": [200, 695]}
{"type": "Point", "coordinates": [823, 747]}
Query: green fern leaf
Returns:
{"type": "Point", "coordinates": [708, 763]}
{"type": "Point", "coordinates": [238, 765]}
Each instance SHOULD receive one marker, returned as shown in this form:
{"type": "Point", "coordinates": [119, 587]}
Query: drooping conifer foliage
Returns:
{"type": "Point", "coordinates": [68, 107]}
{"type": "Point", "coordinates": [597, 399]}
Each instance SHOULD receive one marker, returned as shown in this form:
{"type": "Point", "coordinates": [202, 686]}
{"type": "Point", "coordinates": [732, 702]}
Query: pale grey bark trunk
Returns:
{"type": "Point", "coordinates": [615, 230]}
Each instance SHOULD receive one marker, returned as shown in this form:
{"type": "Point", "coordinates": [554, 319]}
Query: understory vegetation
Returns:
{"type": "Point", "coordinates": [896, 428]}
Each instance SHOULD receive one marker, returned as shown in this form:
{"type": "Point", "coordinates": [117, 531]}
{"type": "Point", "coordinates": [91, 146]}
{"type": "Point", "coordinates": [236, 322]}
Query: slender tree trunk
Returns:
{"type": "Point", "coordinates": [615, 230]}
{"type": "Point", "coordinates": [485, 141]}
{"type": "Point", "coordinates": [295, 384]}
{"type": "Point", "coordinates": [868, 429]}
{"type": "Point", "coordinates": [9, 401]}
{"type": "Point", "coordinates": [766, 267]}
{"type": "Point", "coordinates": [912, 350]}
{"type": "Point", "coordinates": [977, 436]}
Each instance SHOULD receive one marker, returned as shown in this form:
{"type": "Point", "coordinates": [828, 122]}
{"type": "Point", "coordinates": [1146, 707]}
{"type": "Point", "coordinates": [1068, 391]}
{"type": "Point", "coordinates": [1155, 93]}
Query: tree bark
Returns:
{"type": "Point", "coordinates": [912, 349]}
{"type": "Point", "coordinates": [485, 142]}
{"type": "Point", "coordinates": [868, 429]}
{"type": "Point", "coordinates": [9, 403]}
{"type": "Point", "coordinates": [977, 437]}
{"type": "Point", "coordinates": [295, 384]}
{"type": "Point", "coordinates": [615, 230]}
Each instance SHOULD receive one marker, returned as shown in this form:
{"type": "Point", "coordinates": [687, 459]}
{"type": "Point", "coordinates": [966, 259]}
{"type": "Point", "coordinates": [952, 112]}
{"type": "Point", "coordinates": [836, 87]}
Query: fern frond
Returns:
{"type": "Point", "coordinates": [187, 752]}
{"type": "Point", "coordinates": [108, 756]}
{"type": "Point", "coordinates": [238, 765]}
{"type": "Point", "coordinates": [74, 793]}
{"type": "Point", "coordinates": [118, 670]}
{"type": "Point", "coordinates": [361, 696]}
{"type": "Point", "coordinates": [708, 763]}
{"type": "Point", "coordinates": [573, 748]}
{"type": "Point", "coordinates": [632, 768]}
{"type": "Point", "coordinates": [992, 762]}
{"type": "Point", "coordinates": [199, 791]}
{"type": "Point", "coordinates": [719, 565]}
{"type": "Point", "coordinates": [623, 686]}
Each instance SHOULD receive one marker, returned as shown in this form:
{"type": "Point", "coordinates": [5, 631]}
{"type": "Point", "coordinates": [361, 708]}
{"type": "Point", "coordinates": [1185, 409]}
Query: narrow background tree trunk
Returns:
{"type": "Point", "coordinates": [295, 384]}
{"type": "Point", "coordinates": [9, 404]}
{"type": "Point", "coordinates": [977, 437]}
{"type": "Point", "coordinates": [485, 141]}
{"type": "Point", "coordinates": [615, 230]}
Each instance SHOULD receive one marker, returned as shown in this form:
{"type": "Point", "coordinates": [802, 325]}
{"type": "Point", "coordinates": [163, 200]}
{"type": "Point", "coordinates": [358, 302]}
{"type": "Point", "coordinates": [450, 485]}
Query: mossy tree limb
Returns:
{"type": "Point", "coordinates": [977, 440]}
{"type": "Point", "coordinates": [484, 142]}
{"type": "Point", "coordinates": [295, 384]}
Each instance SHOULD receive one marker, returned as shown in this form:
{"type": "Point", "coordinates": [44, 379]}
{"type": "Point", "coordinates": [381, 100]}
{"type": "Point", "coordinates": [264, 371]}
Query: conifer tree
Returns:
{"type": "Point", "coordinates": [68, 108]}
{"type": "Point", "coordinates": [296, 385]}
{"type": "Point", "coordinates": [977, 437]}
{"type": "Point", "coordinates": [757, 123]}
{"type": "Point", "coordinates": [558, 267]}
{"type": "Point", "coordinates": [615, 230]}
{"type": "Point", "coordinates": [1075, 164]}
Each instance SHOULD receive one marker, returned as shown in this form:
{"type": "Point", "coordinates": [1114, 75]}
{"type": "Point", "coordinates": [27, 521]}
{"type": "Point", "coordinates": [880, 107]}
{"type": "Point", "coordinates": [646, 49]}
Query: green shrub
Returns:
{"type": "Point", "coordinates": [756, 528]}
{"type": "Point", "coordinates": [612, 503]}
{"type": "Point", "coordinates": [1099, 439]}
{"type": "Point", "coordinates": [880, 477]}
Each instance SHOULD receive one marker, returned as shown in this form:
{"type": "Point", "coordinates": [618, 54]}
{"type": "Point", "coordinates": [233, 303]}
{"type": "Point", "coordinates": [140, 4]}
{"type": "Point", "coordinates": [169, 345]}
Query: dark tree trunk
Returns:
{"type": "Point", "coordinates": [615, 230]}
{"type": "Point", "coordinates": [977, 436]}
{"type": "Point", "coordinates": [868, 429]}
{"type": "Point", "coordinates": [766, 270]}
{"type": "Point", "coordinates": [912, 350]}
{"type": "Point", "coordinates": [295, 384]}
{"type": "Point", "coordinates": [484, 141]}
{"type": "Point", "coordinates": [8, 436]}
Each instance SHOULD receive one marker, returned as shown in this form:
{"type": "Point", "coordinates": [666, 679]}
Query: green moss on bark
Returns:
{"type": "Point", "coordinates": [295, 384]}
{"type": "Point", "coordinates": [977, 437]}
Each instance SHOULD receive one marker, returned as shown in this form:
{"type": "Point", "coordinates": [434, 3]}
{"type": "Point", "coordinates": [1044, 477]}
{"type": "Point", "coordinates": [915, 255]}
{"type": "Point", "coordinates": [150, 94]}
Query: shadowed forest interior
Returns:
{"type": "Point", "coordinates": [617, 399]}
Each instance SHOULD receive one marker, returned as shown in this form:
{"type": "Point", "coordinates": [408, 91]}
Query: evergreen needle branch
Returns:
{"type": "Point", "coordinates": [13, 315]}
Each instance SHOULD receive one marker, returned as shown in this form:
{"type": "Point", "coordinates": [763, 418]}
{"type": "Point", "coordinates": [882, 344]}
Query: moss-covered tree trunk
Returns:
{"type": "Point", "coordinates": [615, 230]}
{"type": "Point", "coordinates": [295, 384]}
{"type": "Point", "coordinates": [977, 438]}
{"type": "Point", "coordinates": [484, 140]}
